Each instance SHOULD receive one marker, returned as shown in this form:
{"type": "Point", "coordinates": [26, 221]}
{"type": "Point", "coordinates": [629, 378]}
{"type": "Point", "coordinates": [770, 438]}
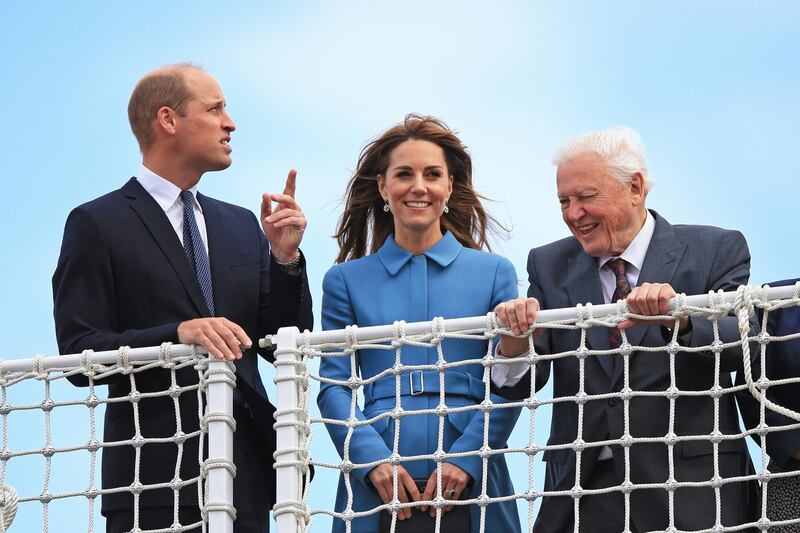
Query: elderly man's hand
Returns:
{"type": "Point", "coordinates": [519, 315]}
{"type": "Point", "coordinates": [651, 299]}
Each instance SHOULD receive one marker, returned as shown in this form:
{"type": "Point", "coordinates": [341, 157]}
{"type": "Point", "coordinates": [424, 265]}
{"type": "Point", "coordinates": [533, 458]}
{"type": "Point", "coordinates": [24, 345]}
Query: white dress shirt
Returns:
{"type": "Point", "coordinates": [510, 374]}
{"type": "Point", "coordinates": [167, 195]}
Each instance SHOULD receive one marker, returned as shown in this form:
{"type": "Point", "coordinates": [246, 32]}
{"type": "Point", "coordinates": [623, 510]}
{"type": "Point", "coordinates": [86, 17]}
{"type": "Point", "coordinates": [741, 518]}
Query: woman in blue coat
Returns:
{"type": "Point", "coordinates": [412, 199]}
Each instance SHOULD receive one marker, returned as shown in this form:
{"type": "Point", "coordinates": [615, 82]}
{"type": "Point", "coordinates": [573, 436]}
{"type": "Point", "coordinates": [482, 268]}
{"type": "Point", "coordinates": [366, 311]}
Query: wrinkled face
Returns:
{"type": "Point", "coordinates": [603, 214]}
{"type": "Point", "coordinates": [417, 186]}
{"type": "Point", "coordinates": [205, 131]}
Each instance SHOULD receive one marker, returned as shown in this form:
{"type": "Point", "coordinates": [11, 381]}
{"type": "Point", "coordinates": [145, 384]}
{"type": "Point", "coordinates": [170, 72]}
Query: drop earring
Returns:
{"type": "Point", "coordinates": [446, 209]}
{"type": "Point", "coordinates": [386, 207]}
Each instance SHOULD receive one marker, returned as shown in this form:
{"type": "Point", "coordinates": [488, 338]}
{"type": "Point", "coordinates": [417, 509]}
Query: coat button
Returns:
{"type": "Point", "coordinates": [612, 402]}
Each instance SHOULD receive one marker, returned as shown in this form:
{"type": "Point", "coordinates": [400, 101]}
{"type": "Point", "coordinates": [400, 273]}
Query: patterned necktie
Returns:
{"type": "Point", "coordinates": [621, 291]}
{"type": "Point", "coordinates": [195, 249]}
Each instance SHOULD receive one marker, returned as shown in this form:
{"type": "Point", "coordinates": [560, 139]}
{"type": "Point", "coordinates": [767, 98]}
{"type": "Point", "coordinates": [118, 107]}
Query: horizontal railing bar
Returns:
{"type": "Point", "coordinates": [61, 362]}
{"type": "Point", "coordinates": [479, 322]}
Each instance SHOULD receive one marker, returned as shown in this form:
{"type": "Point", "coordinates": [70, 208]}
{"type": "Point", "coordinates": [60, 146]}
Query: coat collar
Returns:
{"type": "Point", "coordinates": [442, 253]}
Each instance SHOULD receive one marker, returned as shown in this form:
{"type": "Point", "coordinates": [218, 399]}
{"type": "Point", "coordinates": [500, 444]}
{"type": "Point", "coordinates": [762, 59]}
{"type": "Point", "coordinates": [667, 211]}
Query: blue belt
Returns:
{"type": "Point", "coordinates": [426, 382]}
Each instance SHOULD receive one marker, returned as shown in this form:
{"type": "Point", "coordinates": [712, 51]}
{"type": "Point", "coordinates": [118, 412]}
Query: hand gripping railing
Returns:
{"type": "Point", "coordinates": [292, 417]}
{"type": "Point", "coordinates": [216, 381]}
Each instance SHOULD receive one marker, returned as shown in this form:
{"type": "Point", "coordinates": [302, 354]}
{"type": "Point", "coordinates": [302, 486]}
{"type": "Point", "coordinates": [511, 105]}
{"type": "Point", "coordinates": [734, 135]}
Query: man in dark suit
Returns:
{"type": "Point", "coordinates": [783, 445]}
{"type": "Point", "coordinates": [620, 250]}
{"type": "Point", "coordinates": [156, 261]}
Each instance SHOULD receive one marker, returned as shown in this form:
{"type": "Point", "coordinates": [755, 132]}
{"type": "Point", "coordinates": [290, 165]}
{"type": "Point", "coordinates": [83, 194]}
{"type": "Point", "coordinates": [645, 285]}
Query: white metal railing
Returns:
{"type": "Point", "coordinates": [295, 349]}
{"type": "Point", "coordinates": [214, 389]}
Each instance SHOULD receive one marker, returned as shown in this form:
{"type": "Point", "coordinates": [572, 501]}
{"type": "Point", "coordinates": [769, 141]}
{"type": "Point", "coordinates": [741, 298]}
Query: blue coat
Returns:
{"type": "Point", "coordinates": [448, 280]}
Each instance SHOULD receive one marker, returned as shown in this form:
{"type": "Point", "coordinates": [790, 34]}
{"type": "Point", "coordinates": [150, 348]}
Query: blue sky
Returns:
{"type": "Point", "coordinates": [712, 87]}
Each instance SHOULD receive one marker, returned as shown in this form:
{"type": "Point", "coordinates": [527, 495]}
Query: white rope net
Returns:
{"type": "Point", "coordinates": [298, 353]}
{"type": "Point", "coordinates": [48, 460]}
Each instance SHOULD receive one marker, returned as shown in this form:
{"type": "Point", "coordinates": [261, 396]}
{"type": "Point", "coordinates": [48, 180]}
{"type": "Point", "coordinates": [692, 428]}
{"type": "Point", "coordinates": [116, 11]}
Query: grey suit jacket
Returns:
{"type": "Point", "coordinates": [694, 260]}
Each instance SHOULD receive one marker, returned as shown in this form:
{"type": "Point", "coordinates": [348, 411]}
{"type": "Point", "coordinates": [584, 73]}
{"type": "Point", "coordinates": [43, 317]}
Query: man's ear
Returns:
{"type": "Point", "coordinates": [166, 120]}
{"type": "Point", "coordinates": [638, 192]}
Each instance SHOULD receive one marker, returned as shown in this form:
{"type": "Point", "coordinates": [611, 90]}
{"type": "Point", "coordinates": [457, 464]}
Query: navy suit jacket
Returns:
{"type": "Point", "coordinates": [123, 279]}
{"type": "Point", "coordinates": [783, 361]}
{"type": "Point", "coordinates": [694, 260]}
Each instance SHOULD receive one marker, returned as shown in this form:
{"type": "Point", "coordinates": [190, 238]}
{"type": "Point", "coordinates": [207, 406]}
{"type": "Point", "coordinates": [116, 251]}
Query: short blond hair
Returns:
{"type": "Point", "coordinates": [164, 87]}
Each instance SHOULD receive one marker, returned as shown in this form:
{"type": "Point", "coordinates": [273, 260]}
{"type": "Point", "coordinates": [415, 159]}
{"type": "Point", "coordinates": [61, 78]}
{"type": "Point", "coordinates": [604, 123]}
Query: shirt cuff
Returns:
{"type": "Point", "coordinates": [508, 375]}
{"type": "Point", "coordinates": [683, 338]}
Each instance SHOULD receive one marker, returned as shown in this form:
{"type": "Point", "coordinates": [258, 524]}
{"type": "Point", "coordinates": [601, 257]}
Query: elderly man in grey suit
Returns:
{"type": "Point", "coordinates": [621, 250]}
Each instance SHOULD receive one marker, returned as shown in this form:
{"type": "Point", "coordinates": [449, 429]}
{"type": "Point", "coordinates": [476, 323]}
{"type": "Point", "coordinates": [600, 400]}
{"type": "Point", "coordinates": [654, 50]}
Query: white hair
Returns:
{"type": "Point", "coordinates": [619, 146]}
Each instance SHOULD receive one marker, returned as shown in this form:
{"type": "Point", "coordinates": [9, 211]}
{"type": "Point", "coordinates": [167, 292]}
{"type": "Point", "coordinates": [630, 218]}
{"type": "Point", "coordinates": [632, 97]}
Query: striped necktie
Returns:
{"type": "Point", "coordinates": [621, 291]}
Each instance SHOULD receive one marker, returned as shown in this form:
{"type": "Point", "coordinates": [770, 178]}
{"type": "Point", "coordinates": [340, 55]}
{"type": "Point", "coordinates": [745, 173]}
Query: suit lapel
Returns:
{"type": "Point", "coordinates": [163, 233]}
{"type": "Point", "coordinates": [221, 249]}
{"type": "Point", "coordinates": [583, 285]}
{"type": "Point", "coordinates": [218, 250]}
{"type": "Point", "coordinates": [660, 262]}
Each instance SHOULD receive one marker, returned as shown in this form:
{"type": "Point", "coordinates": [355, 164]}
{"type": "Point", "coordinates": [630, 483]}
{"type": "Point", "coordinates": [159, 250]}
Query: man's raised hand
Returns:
{"type": "Point", "coordinates": [284, 225]}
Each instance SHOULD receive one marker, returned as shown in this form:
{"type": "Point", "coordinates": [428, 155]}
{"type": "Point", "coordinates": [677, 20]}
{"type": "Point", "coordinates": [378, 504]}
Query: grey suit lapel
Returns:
{"type": "Point", "coordinates": [660, 262]}
{"type": "Point", "coordinates": [583, 286]}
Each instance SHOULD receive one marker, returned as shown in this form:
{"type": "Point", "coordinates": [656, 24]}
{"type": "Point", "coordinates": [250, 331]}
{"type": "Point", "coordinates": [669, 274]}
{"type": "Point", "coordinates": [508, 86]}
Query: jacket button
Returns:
{"type": "Point", "coordinates": [612, 402]}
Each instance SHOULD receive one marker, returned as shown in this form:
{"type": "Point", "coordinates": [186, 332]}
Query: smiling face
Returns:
{"type": "Point", "coordinates": [204, 132]}
{"type": "Point", "coordinates": [416, 186]}
{"type": "Point", "coordinates": [602, 213]}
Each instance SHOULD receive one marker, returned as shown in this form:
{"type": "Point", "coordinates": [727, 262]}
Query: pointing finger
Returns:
{"type": "Point", "coordinates": [291, 181]}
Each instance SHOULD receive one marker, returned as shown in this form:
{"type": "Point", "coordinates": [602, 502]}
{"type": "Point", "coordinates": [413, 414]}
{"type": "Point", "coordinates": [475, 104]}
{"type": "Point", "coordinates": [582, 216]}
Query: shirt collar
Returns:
{"type": "Point", "coordinates": [164, 192]}
{"type": "Point", "coordinates": [442, 253]}
{"type": "Point", "coordinates": [637, 249]}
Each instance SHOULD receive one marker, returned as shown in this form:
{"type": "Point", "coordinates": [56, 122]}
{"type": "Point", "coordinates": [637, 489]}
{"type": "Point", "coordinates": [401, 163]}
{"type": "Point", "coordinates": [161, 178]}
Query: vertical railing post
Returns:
{"type": "Point", "coordinates": [286, 428]}
{"type": "Point", "coordinates": [219, 413]}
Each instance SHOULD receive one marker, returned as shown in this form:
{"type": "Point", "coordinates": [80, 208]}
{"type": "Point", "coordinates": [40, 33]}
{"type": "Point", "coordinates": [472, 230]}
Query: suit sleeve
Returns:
{"type": "Point", "coordinates": [522, 389]}
{"type": "Point", "coordinates": [335, 401]}
{"type": "Point", "coordinates": [84, 296]}
{"type": "Point", "coordinates": [730, 268]}
{"type": "Point", "coordinates": [285, 300]}
{"type": "Point", "coordinates": [783, 361]}
{"type": "Point", "coordinates": [501, 420]}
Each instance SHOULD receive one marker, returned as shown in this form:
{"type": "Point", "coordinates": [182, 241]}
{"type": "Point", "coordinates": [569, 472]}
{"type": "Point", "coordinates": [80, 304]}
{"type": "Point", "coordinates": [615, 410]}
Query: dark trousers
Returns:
{"type": "Point", "coordinates": [603, 513]}
{"type": "Point", "coordinates": [151, 518]}
{"type": "Point", "coordinates": [599, 513]}
{"type": "Point", "coordinates": [250, 490]}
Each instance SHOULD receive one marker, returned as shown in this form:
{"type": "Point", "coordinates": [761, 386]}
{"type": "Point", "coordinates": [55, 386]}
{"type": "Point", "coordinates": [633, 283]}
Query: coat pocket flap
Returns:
{"type": "Point", "coordinates": [695, 448]}
{"type": "Point", "coordinates": [556, 456]}
{"type": "Point", "coordinates": [461, 419]}
{"type": "Point", "coordinates": [243, 260]}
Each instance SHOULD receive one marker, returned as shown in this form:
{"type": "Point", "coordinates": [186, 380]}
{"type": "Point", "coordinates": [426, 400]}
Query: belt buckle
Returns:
{"type": "Point", "coordinates": [411, 383]}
